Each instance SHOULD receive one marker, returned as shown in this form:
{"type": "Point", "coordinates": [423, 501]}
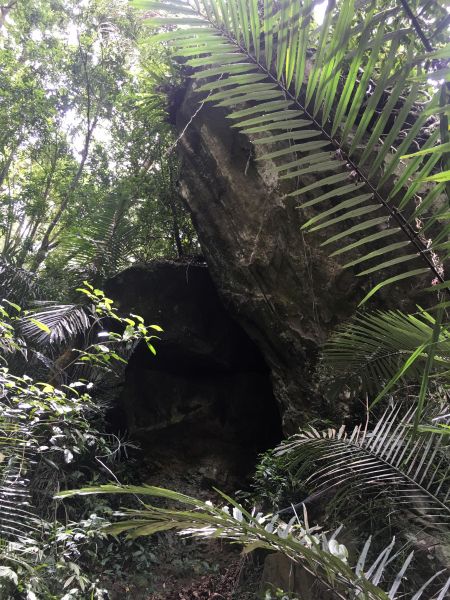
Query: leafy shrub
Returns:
{"type": "Point", "coordinates": [53, 437]}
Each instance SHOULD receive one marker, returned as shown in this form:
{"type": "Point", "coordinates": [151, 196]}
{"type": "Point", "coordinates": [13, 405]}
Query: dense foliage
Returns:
{"type": "Point", "coordinates": [350, 108]}
{"type": "Point", "coordinates": [53, 436]}
{"type": "Point", "coordinates": [82, 180]}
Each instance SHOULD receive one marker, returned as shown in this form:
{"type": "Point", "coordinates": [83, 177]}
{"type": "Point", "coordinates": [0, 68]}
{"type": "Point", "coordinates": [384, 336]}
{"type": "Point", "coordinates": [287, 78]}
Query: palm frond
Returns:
{"type": "Point", "coordinates": [409, 473]}
{"type": "Point", "coordinates": [16, 284]}
{"type": "Point", "coordinates": [372, 347]}
{"type": "Point", "coordinates": [104, 246]}
{"type": "Point", "coordinates": [318, 553]}
{"type": "Point", "coordinates": [56, 323]}
{"type": "Point", "coordinates": [18, 519]}
{"type": "Point", "coordinates": [341, 102]}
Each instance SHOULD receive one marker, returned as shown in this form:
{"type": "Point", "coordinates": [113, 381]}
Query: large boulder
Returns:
{"type": "Point", "coordinates": [277, 282]}
{"type": "Point", "coordinates": [282, 290]}
{"type": "Point", "coordinates": [281, 573]}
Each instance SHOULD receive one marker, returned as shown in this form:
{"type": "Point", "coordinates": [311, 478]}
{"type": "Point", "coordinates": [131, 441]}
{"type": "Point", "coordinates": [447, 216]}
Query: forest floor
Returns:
{"type": "Point", "coordinates": [185, 568]}
{"type": "Point", "coordinates": [237, 579]}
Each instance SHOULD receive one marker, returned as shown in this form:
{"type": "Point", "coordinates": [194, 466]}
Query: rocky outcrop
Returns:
{"type": "Point", "coordinates": [283, 290]}
{"type": "Point", "coordinates": [277, 282]}
{"type": "Point", "coordinates": [282, 573]}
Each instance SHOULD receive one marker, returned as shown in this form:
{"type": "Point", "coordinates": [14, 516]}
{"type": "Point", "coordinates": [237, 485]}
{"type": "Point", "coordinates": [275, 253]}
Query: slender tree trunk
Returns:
{"type": "Point", "coordinates": [5, 169]}
{"type": "Point", "coordinates": [91, 123]}
{"type": "Point", "coordinates": [173, 209]}
{"type": "Point", "coordinates": [4, 10]}
{"type": "Point", "coordinates": [34, 227]}
{"type": "Point", "coordinates": [176, 228]}
{"type": "Point", "coordinates": [46, 240]}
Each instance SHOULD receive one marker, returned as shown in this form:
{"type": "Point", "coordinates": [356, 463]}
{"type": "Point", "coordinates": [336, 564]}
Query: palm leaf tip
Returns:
{"type": "Point", "coordinates": [321, 555]}
{"type": "Point", "coordinates": [56, 323]}
{"type": "Point", "coordinates": [373, 347]}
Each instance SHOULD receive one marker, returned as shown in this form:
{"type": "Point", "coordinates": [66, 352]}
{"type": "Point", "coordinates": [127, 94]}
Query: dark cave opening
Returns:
{"type": "Point", "coordinates": [203, 408]}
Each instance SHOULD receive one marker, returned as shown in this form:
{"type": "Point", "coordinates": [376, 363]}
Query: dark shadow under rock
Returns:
{"type": "Point", "coordinates": [203, 408]}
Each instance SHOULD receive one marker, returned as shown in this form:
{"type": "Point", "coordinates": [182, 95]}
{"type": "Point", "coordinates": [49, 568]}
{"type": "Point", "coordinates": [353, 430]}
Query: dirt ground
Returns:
{"type": "Point", "coordinates": [193, 569]}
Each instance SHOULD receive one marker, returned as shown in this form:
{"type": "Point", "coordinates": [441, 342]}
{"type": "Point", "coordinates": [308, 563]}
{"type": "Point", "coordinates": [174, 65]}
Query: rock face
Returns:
{"type": "Point", "coordinates": [283, 291]}
{"type": "Point", "coordinates": [206, 399]}
{"type": "Point", "coordinates": [280, 572]}
{"type": "Point", "coordinates": [279, 284]}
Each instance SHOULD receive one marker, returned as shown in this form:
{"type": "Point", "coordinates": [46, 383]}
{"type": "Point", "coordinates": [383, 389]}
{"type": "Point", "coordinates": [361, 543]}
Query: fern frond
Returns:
{"type": "Point", "coordinates": [320, 555]}
{"type": "Point", "coordinates": [62, 323]}
{"type": "Point", "coordinates": [18, 519]}
{"type": "Point", "coordinates": [104, 246]}
{"type": "Point", "coordinates": [407, 472]}
{"type": "Point", "coordinates": [358, 87]}
{"type": "Point", "coordinates": [370, 349]}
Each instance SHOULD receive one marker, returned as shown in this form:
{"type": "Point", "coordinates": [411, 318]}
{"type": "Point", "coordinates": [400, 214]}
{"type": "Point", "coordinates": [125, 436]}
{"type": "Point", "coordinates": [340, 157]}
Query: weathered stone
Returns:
{"type": "Point", "coordinates": [282, 573]}
{"type": "Point", "coordinates": [284, 293]}
{"type": "Point", "coordinates": [278, 283]}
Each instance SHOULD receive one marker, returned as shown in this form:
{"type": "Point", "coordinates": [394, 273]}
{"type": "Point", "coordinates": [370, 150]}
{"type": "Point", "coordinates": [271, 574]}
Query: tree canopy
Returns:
{"type": "Point", "coordinates": [82, 178]}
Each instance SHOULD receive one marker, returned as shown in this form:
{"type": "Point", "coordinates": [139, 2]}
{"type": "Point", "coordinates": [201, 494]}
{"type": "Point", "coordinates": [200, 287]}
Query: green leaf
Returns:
{"type": "Point", "coordinates": [440, 429]}
{"type": "Point", "coordinates": [321, 182]}
{"type": "Point", "coordinates": [377, 131]}
{"type": "Point", "coordinates": [404, 369]}
{"type": "Point", "coordinates": [305, 147]}
{"type": "Point", "coordinates": [233, 80]}
{"type": "Point", "coordinates": [16, 306]}
{"type": "Point", "coordinates": [374, 253]}
{"type": "Point", "coordinates": [268, 28]}
{"type": "Point", "coordinates": [171, 7]}
{"type": "Point", "coordinates": [229, 69]}
{"type": "Point", "coordinates": [216, 59]}
{"type": "Point", "coordinates": [293, 135]}
{"type": "Point", "coordinates": [202, 49]}
{"type": "Point", "coordinates": [260, 108]}
{"type": "Point", "coordinates": [336, 193]}
{"type": "Point", "coordinates": [352, 214]}
{"type": "Point", "coordinates": [355, 229]}
{"type": "Point", "coordinates": [291, 125]}
{"type": "Point", "coordinates": [389, 263]}
{"type": "Point", "coordinates": [162, 21]}
{"type": "Point", "coordinates": [391, 280]}
{"type": "Point", "coordinates": [270, 117]}
{"type": "Point", "coordinates": [374, 98]}
{"type": "Point", "coordinates": [431, 351]}
{"type": "Point", "coordinates": [327, 166]}
{"type": "Point", "coordinates": [434, 75]}
{"type": "Point", "coordinates": [441, 148]}
{"type": "Point", "coordinates": [341, 206]}
{"type": "Point", "coordinates": [439, 177]}
{"type": "Point", "coordinates": [257, 96]}
{"type": "Point", "coordinates": [350, 81]}
{"type": "Point", "coordinates": [137, 317]}
{"type": "Point", "coordinates": [359, 95]}
{"type": "Point", "coordinates": [41, 325]}
{"type": "Point", "coordinates": [255, 26]}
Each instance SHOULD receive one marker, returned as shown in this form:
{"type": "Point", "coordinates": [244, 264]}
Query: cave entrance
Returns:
{"type": "Point", "coordinates": [203, 408]}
